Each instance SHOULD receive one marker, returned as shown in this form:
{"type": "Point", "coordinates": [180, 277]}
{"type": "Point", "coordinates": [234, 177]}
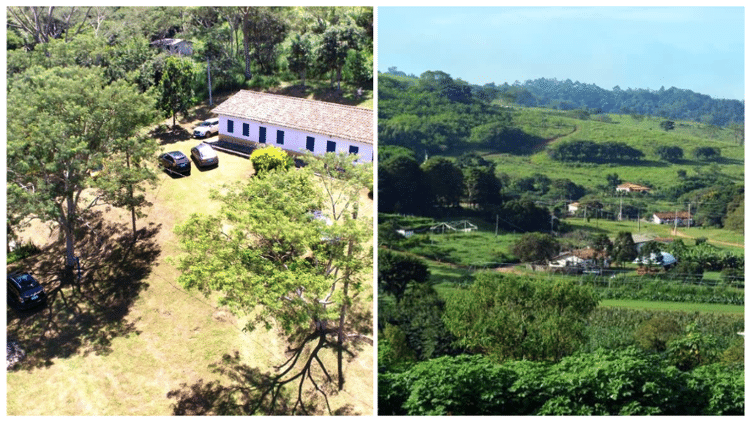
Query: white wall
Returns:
{"type": "Point", "coordinates": [294, 140]}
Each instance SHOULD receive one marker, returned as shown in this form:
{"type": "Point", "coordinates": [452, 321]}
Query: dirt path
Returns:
{"type": "Point", "coordinates": [546, 143]}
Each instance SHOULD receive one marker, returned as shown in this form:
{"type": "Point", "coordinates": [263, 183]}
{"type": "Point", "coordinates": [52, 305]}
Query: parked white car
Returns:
{"type": "Point", "coordinates": [207, 128]}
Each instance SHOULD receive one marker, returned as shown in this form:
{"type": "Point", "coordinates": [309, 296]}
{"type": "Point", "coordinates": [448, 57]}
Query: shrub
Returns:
{"type": "Point", "coordinates": [270, 158]}
{"type": "Point", "coordinates": [22, 252]}
{"type": "Point", "coordinates": [669, 153]}
{"type": "Point", "coordinates": [656, 333]}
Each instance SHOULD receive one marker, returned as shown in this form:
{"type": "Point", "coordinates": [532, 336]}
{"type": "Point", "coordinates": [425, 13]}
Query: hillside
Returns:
{"type": "Point", "coordinates": [495, 153]}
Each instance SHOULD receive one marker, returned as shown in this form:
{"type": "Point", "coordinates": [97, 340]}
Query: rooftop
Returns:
{"type": "Point", "coordinates": [335, 120]}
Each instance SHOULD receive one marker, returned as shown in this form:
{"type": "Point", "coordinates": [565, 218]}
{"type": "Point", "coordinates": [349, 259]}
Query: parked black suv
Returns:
{"type": "Point", "coordinates": [24, 291]}
{"type": "Point", "coordinates": [175, 161]}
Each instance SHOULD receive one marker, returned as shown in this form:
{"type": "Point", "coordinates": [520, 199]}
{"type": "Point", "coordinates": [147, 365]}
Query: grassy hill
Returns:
{"type": "Point", "coordinates": [645, 135]}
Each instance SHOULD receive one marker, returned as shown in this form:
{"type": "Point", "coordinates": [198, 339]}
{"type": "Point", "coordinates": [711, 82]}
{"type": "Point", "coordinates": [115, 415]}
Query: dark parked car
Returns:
{"type": "Point", "coordinates": [24, 291]}
{"type": "Point", "coordinates": [175, 161]}
{"type": "Point", "coordinates": [204, 155]}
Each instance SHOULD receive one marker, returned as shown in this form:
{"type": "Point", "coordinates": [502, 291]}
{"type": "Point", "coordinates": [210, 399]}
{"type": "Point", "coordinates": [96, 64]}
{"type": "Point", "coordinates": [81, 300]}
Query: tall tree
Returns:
{"type": "Point", "coordinates": [266, 250]}
{"type": "Point", "coordinates": [445, 181]}
{"type": "Point", "coordinates": [336, 42]}
{"type": "Point", "coordinates": [301, 54]}
{"type": "Point", "coordinates": [126, 175]}
{"type": "Point", "coordinates": [176, 86]}
{"type": "Point", "coordinates": [62, 122]}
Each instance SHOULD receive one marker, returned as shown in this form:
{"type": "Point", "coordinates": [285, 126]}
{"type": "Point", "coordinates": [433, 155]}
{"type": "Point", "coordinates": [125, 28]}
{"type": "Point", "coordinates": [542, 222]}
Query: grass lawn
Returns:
{"type": "Point", "coordinates": [662, 305]}
{"type": "Point", "coordinates": [120, 345]}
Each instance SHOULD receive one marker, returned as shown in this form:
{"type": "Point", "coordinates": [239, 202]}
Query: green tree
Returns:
{"type": "Point", "coordinates": [536, 247]}
{"type": "Point", "coordinates": [267, 255]}
{"type": "Point", "coordinates": [264, 29]}
{"type": "Point", "coordinates": [669, 153]}
{"type": "Point", "coordinates": [445, 181]}
{"type": "Point", "coordinates": [126, 174]}
{"type": "Point", "coordinates": [510, 317]}
{"type": "Point", "coordinates": [301, 54]}
{"type": "Point", "coordinates": [396, 271]}
{"type": "Point", "coordinates": [667, 125]}
{"type": "Point", "coordinates": [623, 248]}
{"type": "Point", "coordinates": [62, 123]}
{"type": "Point", "coordinates": [706, 153]}
{"type": "Point", "coordinates": [176, 86]}
{"type": "Point", "coordinates": [336, 42]}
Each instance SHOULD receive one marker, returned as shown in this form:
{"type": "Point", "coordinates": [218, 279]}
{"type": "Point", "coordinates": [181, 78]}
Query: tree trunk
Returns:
{"type": "Point", "coordinates": [69, 231]}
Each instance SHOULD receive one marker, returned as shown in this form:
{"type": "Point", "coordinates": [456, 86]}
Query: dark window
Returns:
{"type": "Point", "coordinates": [262, 135]}
{"type": "Point", "coordinates": [230, 126]}
{"type": "Point", "coordinates": [310, 143]}
{"type": "Point", "coordinates": [331, 146]}
{"type": "Point", "coordinates": [353, 149]}
{"type": "Point", "coordinates": [245, 129]}
{"type": "Point", "coordinates": [279, 137]}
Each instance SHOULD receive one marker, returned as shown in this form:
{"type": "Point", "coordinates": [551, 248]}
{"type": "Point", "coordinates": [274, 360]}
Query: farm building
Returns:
{"type": "Point", "coordinates": [297, 125]}
{"type": "Point", "coordinates": [174, 46]}
{"type": "Point", "coordinates": [573, 207]}
{"type": "Point", "coordinates": [632, 187]}
{"type": "Point", "coordinates": [581, 258]}
{"type": "Point", "coordinates": [683, 218]}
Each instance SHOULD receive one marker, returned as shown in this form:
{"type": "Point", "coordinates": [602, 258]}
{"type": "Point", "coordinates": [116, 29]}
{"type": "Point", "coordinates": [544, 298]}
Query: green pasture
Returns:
{"type": "Point", "coordinates": [645, 135]}
{"type": "Point", "coordinates": [721, 238]}
{"type": "Point", "coordinates": [671, 306]}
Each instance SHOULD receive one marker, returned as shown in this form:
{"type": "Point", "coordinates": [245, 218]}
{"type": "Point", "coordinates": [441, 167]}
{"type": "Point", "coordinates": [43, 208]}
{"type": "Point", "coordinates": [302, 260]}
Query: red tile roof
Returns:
{"type": "Point", "coordinates": [342, 121]}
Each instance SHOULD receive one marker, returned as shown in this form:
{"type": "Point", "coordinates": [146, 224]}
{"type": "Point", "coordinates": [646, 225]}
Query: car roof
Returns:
{"type": "Point", "coordinates": [212, 120]}
{"type": "Point", "coordinates": [176, 154]}
{"type": "Point", "coordinates": [204, 148]}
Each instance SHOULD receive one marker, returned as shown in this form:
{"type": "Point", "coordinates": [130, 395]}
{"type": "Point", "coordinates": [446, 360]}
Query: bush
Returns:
{"type": "Point", "coordinates": [706, 153]}
{"type": "Point", "coordinates": [669, 153]}
{"type": "Point", "coordinates": [22, 252]}
{"type": "Point", "coordinates": [270, 158]}
{"type": "Point", "coordinates": [656, 333]}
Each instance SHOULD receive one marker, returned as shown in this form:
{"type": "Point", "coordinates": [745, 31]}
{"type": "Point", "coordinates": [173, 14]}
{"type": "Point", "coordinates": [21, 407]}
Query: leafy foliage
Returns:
{"type": "Point", "coordinates": [536, 247]}
{"type": "Point", "coordinates": [624, 382]}
{"type": "Point", "coordinates": [396, 271]}
{"type": "Point", "coordinates": [270, 158]}
{"type": "Point", "coordinates": [509, 317]}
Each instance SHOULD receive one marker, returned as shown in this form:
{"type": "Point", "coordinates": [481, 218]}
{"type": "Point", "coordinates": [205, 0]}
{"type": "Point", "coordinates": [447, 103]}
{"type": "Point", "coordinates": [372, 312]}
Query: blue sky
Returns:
{"type": "Point", "coordinates": [696, 48]}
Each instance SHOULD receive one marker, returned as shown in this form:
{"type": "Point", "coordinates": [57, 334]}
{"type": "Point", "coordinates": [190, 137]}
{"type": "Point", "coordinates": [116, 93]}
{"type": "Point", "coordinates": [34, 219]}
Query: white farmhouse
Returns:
{"type": "Point", "coordinates": [297, 125]}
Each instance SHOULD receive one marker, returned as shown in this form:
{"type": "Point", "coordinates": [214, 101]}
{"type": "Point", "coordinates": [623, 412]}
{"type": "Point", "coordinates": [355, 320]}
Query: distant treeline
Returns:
{"type": "Point", "coordinates": [672, 103]}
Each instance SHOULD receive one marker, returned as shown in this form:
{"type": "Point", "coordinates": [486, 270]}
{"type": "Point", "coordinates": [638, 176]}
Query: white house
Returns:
{"type": "Point", "coordinates": [297, 125]}
{"type": "Point", "coordinates": [683, 218]}
{"type": "Point", "coordinates": [581, 258]}
{"type": "Point", "coordinates": [629, 187]}
{"type": "Point", "coordinates": [573, 207]}
{"type": "Point", "coordinates": [174, 46]}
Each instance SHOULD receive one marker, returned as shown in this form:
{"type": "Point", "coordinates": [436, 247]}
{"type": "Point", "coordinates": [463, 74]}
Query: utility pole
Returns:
{"type": "Point", "coordinates": [675, 222]}
{"type": "Point", "coordinates": [619, 217]}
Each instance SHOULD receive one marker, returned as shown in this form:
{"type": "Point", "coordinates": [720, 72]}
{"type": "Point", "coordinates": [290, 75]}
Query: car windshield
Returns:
{"type": "Point", "coordinates": [26, 281]}
{"type": "Point", "coordinates": [205, 123]}
{"type": "Point", "coordinates": [179, 158]}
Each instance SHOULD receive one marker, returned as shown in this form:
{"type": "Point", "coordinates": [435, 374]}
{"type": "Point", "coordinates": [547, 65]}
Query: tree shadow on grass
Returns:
{"type": "Point", "coordinates": [168, 136]}
{"type": "Point", "coordinates": [84, 315]}
{"type": "Point", "coordinates": [301, 385]}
